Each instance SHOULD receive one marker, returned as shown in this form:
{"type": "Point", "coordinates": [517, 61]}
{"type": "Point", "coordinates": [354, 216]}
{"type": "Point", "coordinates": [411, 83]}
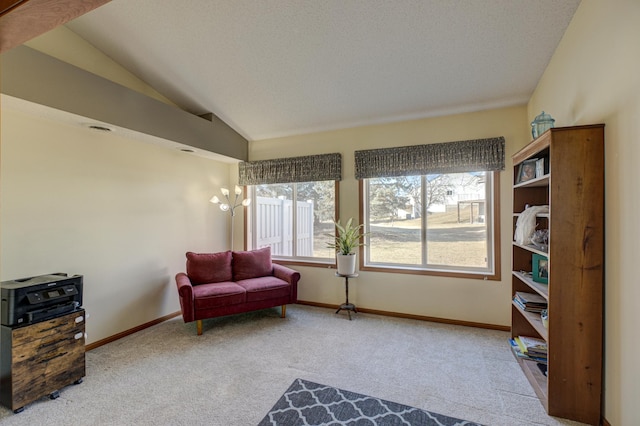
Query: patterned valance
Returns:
{"type": "Point", "coordinates": [295, 169]}
{"type": "Point", "coordinates": [448, 157]}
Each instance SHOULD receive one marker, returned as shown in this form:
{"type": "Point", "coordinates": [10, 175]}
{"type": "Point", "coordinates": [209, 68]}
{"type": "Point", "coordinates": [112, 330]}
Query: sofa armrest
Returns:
{"type": "Point", "coordinates": [287, 274]}
{"type": "Point", "coordinates": [185, 293]}
{"type": "Point", "coordinates": [290, 276]}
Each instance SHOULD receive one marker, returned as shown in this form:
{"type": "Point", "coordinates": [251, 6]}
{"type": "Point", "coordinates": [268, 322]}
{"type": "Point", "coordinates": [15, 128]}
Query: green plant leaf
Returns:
{"type": "Point", "coordinates": [347, 237]}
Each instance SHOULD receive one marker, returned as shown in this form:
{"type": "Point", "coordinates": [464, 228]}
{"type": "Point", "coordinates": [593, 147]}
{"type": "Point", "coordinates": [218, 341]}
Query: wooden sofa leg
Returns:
{"type": "Point", "coordinates": [284, 311]}
{"type": "Point", "coordinates": [199, 327]}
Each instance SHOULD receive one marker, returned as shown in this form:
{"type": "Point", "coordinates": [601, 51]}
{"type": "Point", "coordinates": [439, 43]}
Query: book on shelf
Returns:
{"type": "Point", "coordinates": [521, 350]}
{"type": "Point", "coordinates": [540, 167]}
{"type": "Point", "coordinates": [532, 346]}
{"type": "Point", "coordinates": [530, 302]}
{"type": "Point", "coordinates": [519, 354]}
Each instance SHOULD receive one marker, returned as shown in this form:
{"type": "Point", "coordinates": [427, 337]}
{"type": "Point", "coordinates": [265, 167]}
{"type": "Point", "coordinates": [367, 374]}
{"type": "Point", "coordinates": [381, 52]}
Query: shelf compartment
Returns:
{"type": "Point", "coordinates": [534, 320]}
{"type": "Point", "coordinates": [529, 195]}
{"type": "Point", "coordinates": [540, 288]}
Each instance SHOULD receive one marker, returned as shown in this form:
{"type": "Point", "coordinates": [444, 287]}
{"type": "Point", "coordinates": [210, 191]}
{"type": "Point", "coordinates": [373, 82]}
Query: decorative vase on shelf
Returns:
{"type": "Point", "coordinates": [541, 124]}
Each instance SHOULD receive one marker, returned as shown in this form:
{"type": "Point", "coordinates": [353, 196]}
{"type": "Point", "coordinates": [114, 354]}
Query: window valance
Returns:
{"type": "Point", "coordinates": [309, 168]}
{"type": "Point", "coordinates": [446, 157]}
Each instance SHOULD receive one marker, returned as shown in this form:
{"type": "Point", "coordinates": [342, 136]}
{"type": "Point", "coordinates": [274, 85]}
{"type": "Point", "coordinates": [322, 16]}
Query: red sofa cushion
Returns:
{"type": "Point", "coordinates": [265, 288]}
{"type": "Point", "coordinates": [207, 296]}
{"type": "Point", "coordinates": [252, 264]}
{"type": "Point", "coordinates": [203, 268]}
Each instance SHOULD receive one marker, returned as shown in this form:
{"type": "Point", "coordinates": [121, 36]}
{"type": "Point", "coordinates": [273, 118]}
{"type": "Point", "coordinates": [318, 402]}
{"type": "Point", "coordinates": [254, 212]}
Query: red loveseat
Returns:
{"type": "Point", "coordinates": [218, 284]}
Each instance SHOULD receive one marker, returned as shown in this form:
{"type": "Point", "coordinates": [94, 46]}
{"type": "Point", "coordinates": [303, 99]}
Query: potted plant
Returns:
{"type": "Point", "coordinates": [347, 238]}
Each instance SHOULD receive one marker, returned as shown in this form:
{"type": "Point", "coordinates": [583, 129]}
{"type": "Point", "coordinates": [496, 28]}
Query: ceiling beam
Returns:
{"type": "Point", "coordinates": [44, 80]}
{"type": "Point", "coordinates": [22, 20]}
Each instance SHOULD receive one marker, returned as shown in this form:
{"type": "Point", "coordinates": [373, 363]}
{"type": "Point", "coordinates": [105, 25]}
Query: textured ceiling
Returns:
{"type": "Point", "coordinates": [273, 68]}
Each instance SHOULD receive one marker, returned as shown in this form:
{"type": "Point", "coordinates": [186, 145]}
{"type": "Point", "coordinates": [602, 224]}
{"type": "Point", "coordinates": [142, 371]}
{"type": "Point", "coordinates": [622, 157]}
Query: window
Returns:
{"type": "Point", "coordinates": [432, 209]}
{"type": "Point", "coordinates": [301, 233]}
{"type": "Point", "coordinates": [438, 223]}
{"type": "Point", "coordinates": [309, 184]}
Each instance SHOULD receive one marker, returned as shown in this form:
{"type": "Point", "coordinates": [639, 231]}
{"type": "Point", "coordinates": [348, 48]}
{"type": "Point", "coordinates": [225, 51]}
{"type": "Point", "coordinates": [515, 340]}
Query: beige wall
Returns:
{"type": "Point", "coordinates": [594, 77]}
{"type": "Point", "coordinates": [121, 212]}
{"type": "Point", "coordinates": [451, 298]}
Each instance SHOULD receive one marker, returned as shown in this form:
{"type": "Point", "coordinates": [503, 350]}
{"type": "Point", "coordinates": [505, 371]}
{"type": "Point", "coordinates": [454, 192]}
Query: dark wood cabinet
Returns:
{"type": "Point", "coordinates": [571, 183]}
{"type": "Point", "coordinates": [39, 359]}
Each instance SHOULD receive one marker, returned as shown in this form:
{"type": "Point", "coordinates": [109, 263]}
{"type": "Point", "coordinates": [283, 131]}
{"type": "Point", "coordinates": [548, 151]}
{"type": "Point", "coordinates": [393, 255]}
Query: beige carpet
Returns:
{"type": "Point", "coordinates": [241, 365]}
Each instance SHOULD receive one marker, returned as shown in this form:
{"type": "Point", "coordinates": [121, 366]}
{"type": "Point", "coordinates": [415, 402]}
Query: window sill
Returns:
{"type": "Point", "coordinates": [433, 272]}
{"type": "Point", "coordinates": [313, 264]}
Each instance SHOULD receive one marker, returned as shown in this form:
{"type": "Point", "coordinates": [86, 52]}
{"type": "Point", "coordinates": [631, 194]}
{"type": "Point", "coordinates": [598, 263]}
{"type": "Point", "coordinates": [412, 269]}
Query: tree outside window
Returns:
{"type": "Point", "coordinates": [437, 222]}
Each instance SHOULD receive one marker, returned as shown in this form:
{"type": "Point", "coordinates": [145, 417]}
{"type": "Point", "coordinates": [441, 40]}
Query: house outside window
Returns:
{"type": "Point", "coordinates": [439, 224]}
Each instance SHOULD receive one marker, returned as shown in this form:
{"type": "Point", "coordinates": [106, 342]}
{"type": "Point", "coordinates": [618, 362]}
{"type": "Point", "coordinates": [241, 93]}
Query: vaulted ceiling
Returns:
{"type": "Point", "coordinates": [273, 68]}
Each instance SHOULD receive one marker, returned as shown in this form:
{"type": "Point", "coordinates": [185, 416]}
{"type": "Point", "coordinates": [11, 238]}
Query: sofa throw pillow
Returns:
{"type": "Point", "coordinates": [205, 268]}
{"type": "Point", "coordinates": [252, 264]}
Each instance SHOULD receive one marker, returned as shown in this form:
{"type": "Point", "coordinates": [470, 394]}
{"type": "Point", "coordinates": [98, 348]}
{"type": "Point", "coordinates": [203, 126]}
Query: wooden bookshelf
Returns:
{"type": "Point", "coordinates": [572, 187]}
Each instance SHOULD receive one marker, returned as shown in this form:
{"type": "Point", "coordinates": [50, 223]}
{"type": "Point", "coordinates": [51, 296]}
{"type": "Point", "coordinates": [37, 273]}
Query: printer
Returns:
{"type": "Point", "coordinates": [34, 299]}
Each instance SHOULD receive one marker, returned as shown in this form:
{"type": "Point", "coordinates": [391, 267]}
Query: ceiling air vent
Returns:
{"type": "Point", "coordinates": [99, 128]}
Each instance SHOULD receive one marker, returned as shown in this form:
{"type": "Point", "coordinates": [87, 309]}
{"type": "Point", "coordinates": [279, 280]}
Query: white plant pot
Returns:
{"type": "Point", "coordinates": [346, 263]}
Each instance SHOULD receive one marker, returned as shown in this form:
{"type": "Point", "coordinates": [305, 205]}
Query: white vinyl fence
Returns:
{"type": "Point", "coordinates": [274, 226]}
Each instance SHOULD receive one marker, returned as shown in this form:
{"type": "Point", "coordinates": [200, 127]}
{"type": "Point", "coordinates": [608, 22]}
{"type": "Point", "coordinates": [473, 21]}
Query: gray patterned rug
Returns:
{"type": "Point", "coordinates": [308, 403]}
